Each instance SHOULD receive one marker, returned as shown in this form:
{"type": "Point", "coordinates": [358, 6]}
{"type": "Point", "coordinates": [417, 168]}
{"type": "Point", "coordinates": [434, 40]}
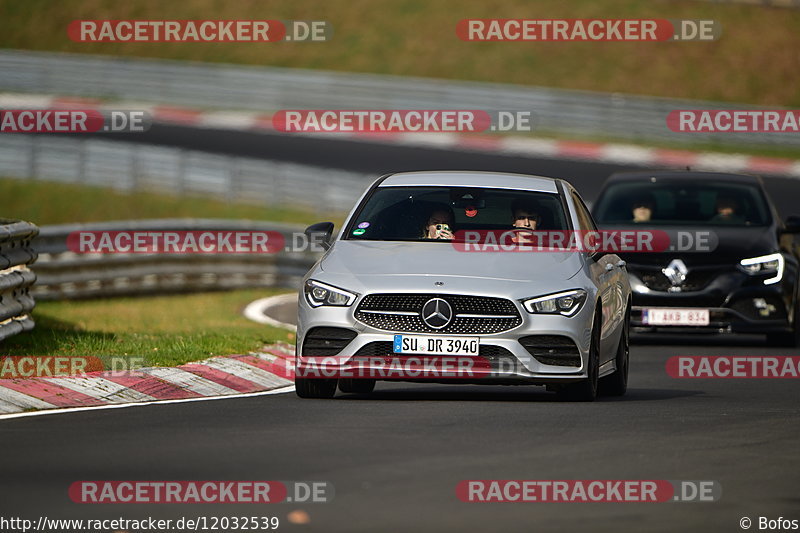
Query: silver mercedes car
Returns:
{"type": "Point", "coordinates": [434, 278]}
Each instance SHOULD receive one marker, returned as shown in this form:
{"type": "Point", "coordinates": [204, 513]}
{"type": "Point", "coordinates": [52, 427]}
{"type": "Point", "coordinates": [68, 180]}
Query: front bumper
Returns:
{"type": "Point", "coordinates": [503, 359]}
{"type": "Point", "coordinates": [737, 303]}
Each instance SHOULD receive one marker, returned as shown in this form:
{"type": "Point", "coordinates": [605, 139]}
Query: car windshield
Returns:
{"type": "Point", "coordinates": [428, 213]}
{"type": "Point", "coordinates": [670, 202]}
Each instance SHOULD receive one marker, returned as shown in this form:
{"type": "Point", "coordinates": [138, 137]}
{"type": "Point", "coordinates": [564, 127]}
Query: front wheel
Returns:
{"type": "Point", "coordinates": [784, 340]}
{"type": "Point", "coordinates": [586, 390]}
{"type": "Point", "coordinates": [788, 339]}
{"type": "Point", "coordinates": [315, 388]}
{"type": "Point", "coordinates": [617, 383]}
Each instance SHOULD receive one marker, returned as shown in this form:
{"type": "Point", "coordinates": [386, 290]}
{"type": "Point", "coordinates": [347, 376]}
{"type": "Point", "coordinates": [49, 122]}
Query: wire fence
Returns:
{"type": "Point", "coordinates": [16, 278]}
{"type": "Point", "coordinates": [269, 89]}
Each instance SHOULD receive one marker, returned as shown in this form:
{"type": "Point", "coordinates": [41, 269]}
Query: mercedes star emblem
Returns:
{"type": "Point", "coordinates": [437, 313]}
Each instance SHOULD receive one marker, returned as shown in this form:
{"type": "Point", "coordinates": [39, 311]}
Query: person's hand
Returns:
{"type": "Point", "coordinates": [445, 235]}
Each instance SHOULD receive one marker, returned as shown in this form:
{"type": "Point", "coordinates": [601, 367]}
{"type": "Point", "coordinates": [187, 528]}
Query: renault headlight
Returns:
{"type": "Point", "coordinates": [318, 294]}
{"type": "Point", "coordinates": [765, 264]}
{"type": "Point", "coordinates": [566, 303]}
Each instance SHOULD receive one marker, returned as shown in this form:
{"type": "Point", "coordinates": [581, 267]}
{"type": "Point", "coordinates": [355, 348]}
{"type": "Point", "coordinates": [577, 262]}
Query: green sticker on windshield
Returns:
{"type": "Point", "coordinates": [359, 231]}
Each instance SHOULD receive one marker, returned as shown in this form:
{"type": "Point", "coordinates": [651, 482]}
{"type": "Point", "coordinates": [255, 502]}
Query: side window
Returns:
{"type": "Point", "coordinates": [584, 218]}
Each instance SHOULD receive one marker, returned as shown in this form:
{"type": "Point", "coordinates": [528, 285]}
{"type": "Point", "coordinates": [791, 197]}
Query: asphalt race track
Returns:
{"type": "Point", "coordinates": [395, 457]}
{"type": "Point", "coordinates": [377, 159]}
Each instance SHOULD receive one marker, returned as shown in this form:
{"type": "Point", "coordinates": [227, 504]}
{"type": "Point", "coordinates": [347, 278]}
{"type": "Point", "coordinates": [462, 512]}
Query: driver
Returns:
{"type": "Point", "coordinates": [642, 208]}
{"type": "Point", "coordinates": [524, 215]}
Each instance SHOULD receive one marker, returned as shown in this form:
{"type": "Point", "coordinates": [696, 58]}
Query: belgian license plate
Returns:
{"type": "Point", "coordinates": [675, 317]}
{"type": "Point", "coordinates": [425, 344]}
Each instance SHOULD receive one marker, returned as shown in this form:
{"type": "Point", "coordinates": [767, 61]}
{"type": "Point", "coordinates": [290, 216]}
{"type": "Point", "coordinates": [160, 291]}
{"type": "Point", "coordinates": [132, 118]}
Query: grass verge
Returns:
{"type": "Point", "coordinates": [46, 202]}
{"type": "Point", "coordinates": [754, 60]}
{"type": "Point", "coordinates": [162, 330]}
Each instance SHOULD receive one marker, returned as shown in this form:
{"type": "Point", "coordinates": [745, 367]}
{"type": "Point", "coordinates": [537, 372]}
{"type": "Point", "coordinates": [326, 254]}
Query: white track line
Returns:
{"type": "Point", "coordinates": [144, 404]}
{"type": "Point", "coordinates": [257, 310]}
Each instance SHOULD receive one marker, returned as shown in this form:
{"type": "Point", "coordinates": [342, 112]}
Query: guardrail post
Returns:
{"type": "Point", "coordinates": [16, 279]}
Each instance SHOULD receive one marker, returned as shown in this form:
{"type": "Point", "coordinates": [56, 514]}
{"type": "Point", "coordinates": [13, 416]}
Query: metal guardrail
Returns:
{"type": "Point", "coordinates": [63, 274]}
{"type": "Point", "coordinates": [15, 276]}
{"type": "Point", "coordinates": [268, 89]}
{"type": "Point", "coordinates": [134, 166]}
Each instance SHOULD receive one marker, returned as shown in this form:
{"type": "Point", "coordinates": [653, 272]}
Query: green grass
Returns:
{"type": "Point", "coordinates": [162, 330]}
{"type": "Point", "coordinates": [754, 61]}
{"type": "Point", "coordinates": [44, 202]}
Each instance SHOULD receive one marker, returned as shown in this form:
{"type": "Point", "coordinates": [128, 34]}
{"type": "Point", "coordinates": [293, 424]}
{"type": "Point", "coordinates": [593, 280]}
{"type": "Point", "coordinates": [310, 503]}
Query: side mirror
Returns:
{"type": "Point", "coordinates": [792, 224]}
{"type": "Point", "coordinates": [320, 232]}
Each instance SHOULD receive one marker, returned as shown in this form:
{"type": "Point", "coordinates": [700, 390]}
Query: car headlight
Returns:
{"type": "Point", "coordinates": [318, 294]}
{"type": "Point", "coordinates": [765, 264]}
{"type": "Point", "coordinates": [566, 303]}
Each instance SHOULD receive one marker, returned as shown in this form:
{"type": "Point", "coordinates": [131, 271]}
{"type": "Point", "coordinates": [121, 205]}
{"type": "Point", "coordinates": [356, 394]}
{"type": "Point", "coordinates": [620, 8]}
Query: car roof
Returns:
{"type": "Point", "coordinates": [683, 175]}
{"type": "Point", "coordinates": [459, 178]}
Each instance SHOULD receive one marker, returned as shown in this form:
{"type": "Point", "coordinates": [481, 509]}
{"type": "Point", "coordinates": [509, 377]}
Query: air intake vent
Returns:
{"type": "Point", "coordinates": [326, 341]}
{"type": "Point", "coordinates": [553, 350]}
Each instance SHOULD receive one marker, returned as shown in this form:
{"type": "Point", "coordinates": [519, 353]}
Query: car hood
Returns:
{"type": "Point", "coordinates": [372, 259]}
{"type": "Point", "coordinates": [729, 245]}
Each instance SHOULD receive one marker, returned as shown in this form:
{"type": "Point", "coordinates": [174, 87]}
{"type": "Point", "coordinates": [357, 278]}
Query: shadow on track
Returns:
{"type": "Point", "coordinates": [449, 393]}
{"type": "Point", "coordinates": [698, 339]}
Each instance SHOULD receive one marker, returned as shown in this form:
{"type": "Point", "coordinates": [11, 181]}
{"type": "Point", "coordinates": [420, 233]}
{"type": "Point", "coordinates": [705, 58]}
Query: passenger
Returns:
{"type": "Point", "coordinates": [439, 224]}
{"type": "Point", "coordinates": [726, 210]}
{"type": "Point", "coordinates": [642, 209]}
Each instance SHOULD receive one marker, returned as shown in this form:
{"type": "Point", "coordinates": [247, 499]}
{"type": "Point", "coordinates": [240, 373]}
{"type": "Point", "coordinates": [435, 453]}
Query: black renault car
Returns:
{"type": "Point", "coordinates": [731, 265]}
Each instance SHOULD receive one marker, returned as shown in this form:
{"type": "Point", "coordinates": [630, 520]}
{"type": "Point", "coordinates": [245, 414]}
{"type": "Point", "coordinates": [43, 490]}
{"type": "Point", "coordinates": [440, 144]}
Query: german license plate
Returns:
{"type": "Point", "coordinates": [429, 344]}
{"type": "Point", "coordinates": [675, 317]}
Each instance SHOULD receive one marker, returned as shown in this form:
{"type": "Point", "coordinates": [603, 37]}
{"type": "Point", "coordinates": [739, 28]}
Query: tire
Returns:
{"type": "Point", "coordinates": [315, 388]}
{"type": "Point", "coordinates": [358, 386]}
{"type": "Point", "coordinates": [586, 390]}
{"type": "Point", "coordinates": [617, 383]}
{"type": "Point", "coordinates": [785, 340]}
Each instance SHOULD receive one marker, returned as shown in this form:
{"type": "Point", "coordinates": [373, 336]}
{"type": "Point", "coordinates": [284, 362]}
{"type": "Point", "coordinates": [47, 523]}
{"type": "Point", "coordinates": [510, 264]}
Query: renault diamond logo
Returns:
{"type": "Point", "coordinates": [676, 272]}
{"type": "Point", "coordinates": [436, 313]}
